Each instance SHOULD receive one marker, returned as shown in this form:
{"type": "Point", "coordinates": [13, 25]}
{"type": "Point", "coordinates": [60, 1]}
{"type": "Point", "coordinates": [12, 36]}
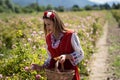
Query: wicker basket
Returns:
{"type": "Point", "coordinates": [56, 74]}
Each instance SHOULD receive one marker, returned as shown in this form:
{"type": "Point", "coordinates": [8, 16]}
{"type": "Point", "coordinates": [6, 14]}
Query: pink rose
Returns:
{"type": "Point", "coordinates": [1, 76]}
{"type": "Point", "coordinates": [27, 68]}
{"type": "Point", "coordinates": [38, 76]}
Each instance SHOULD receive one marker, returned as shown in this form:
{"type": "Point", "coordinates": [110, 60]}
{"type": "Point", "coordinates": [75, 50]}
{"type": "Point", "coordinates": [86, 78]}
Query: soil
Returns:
{"type": "Point", "coordinates": [100, 62]}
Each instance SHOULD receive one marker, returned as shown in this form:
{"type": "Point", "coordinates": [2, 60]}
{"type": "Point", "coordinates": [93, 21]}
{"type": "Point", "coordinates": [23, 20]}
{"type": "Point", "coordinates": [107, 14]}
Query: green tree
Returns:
{"type": "Point", "coordinates": [96, 7]}
{"type": "Point", "coordinates": [60, 8]}
{"type": "Point", "coordinates": [49, 7]}
{"type": "Point", "coordinates": [17, 9]}
{"type": "Point", "coordinates": [7, 5]}
{"type": "Point", "coordinates": [1, 2]}
{"type": "Point", "coordinates": [116, 6]}
{"type": "Point", "coordinates": [107, 6]}
{"type": "Point", "coordinates": [75, 8]}
{"type": "Point", "coordinates": [88, 7]}
{"type": "Point", "coordinates": [41, 8]}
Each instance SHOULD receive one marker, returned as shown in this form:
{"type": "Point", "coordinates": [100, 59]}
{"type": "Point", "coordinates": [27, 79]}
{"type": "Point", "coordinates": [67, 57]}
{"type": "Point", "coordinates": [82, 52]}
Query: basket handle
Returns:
{"type": "Point", "coordinates": [57, 64]}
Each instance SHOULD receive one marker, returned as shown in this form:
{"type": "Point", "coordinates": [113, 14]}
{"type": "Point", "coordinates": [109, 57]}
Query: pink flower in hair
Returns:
{"type": "Point", "coordinates": [52, 16]}
{"type": "Point", "coordinates": [45, 13]}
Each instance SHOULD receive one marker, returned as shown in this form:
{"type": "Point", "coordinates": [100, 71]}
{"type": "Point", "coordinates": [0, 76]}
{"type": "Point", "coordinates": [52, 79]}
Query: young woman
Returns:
{"type": "Point", "coordinates": [62, 43]}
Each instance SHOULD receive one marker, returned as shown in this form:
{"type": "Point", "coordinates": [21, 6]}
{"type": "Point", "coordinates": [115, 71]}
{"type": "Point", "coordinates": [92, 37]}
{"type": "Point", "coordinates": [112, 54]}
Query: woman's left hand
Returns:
{"type": "Point", "coordinates": [62, 58]}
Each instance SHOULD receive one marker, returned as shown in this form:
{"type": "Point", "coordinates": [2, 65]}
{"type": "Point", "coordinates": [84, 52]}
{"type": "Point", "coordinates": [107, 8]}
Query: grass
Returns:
{"type": "Point", "coordinates": [114, 48]}
{"type": "Point", "coordinates": [116, 64]}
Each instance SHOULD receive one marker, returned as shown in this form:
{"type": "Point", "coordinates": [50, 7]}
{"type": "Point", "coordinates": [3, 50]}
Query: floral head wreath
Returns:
{"type": "Point", "coordinates": [48, 14]}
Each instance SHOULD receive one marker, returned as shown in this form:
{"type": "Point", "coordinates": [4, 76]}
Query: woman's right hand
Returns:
{"type": "Point", "coordinates": [36, 67]}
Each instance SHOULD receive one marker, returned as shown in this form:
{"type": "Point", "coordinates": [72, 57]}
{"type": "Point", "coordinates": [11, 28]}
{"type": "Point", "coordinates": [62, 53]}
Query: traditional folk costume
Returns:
{"type": "Point", "coordinates": [68, 43]}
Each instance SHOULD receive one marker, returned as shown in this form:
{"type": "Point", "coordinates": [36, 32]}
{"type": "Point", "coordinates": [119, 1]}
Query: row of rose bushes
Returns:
{"type": "Point", "coordinates": [22, 41]}
{"type": "Point", "coordinates": [116, 14]}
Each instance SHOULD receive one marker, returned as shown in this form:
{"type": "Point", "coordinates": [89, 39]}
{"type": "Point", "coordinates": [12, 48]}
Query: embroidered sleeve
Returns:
{"type": "Point", "coordinates": [47, 61]}
{"type": "Point", "coordinates": [78, 53]}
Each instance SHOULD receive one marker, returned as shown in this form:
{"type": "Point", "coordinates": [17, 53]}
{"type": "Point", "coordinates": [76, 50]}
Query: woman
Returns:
{"type": "Point", "coordinates": [62, 43]}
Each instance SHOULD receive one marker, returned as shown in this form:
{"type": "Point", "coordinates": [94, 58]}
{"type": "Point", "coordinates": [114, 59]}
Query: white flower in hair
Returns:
{"type": "Point", "coordinates": [49, 14]}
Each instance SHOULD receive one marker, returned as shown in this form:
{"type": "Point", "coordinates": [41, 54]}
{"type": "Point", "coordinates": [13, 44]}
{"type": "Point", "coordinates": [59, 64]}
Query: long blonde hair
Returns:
{"type": "Point", "coordinates": [58, 25]}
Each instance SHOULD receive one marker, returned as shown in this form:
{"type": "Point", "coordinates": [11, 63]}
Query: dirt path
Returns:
{"type": "Point", "coordinates": [97, 65]}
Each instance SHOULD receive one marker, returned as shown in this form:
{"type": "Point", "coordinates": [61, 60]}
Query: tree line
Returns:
{"type": "Point", "coordinates": [8, 6]}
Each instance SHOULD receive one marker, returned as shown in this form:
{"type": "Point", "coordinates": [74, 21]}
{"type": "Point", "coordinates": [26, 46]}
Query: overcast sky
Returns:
{"type": "Point", "coordinates": [104, 1]}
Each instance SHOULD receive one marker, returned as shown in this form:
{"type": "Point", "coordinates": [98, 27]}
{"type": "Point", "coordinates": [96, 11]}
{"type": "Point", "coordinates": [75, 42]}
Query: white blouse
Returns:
{"type": "Point", "coordinates": [77, 55]}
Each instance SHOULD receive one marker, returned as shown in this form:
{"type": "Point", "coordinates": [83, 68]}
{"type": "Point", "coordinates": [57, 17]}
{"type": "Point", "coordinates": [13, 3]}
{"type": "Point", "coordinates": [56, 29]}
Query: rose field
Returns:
{"type": "Point", "coordinates": [22, 41]}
